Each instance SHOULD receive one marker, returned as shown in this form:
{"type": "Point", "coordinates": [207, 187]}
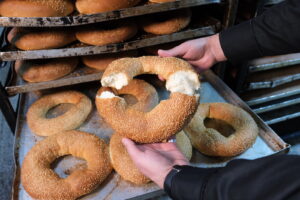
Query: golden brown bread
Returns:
{"type": "Point", "coordinates": [41, 182]}
{"type": "Point", "coordinates": [108, 33]}
{"type": "Point", "coordinates": [45, 70]}
{"type": "Point", "coordinates": [146, 99]}
{"type": "Point", "coordinates": [72, 119]}
{"type": "Point", "coordinates": [209, 141]}
{"type": "Point", "coordinates": [144, 93]}
{"type": "Point", "coordinates": [36, 8]}
{"type": "Point", "coordinates": [125, 167]}
{"type": "Point", "coordinates": [97, 6]}
{"type": "Point", "coordinates": [166, 119]}
{"type": "Point", "coordinates": [34, 39]}
{"type": "Point", "coordinates": [166, 23]}
{"type": "Point", "coordinates": [100, 62]}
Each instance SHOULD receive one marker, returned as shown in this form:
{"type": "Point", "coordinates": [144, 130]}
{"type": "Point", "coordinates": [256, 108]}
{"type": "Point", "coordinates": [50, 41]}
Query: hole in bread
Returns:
{"type": "Point", "coordinates": [130, 99]}
{"type": "Point", "coordinates": [66, 165]}
{"type": "Point", "coordinates": [220, 125]}
{"type": "Point", "coordinates": [59, 110]}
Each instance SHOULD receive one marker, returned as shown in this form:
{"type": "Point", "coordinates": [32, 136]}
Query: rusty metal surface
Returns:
{"type": "Point", "coordinates": [72, 79]}
{"type": "Point", "coordinates": [255, 97]}
{"type": "Point", "coordinates": [277, 105]}
{"type": "Point", "coordinates": [274, 78]}
{"type": "Point", "coordinates": [282, 114]}
{"type": "Point", "coordinates": [114, 187]}
{"type": "Point", "coordinates": [111, 48]}
{"type": "Point", "coordinates": [101, 17]}
{"type": "Point", "coordinates": [273, 62]}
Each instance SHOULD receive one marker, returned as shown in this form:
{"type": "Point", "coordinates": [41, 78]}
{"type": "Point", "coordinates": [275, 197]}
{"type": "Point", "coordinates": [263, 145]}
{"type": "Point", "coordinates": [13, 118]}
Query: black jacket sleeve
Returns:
{"type": "Point", "coordinates": [275, 32]}
{"type": "Point", "coordinates": [269, 178]}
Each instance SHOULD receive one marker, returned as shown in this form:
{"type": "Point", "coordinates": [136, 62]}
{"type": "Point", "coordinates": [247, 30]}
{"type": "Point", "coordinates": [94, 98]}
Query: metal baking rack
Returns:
{"type": "Point", "coordinates": [101, 17]}
{"type": "Point", "coordinates": [111, 48]}
{"type": "Point", "coordinates": [271, 86]}
{"type": "Point", "coordinates": [229, 7]}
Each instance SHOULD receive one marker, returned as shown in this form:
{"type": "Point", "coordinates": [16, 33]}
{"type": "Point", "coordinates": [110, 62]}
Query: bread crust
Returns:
{"type": "Point", "coordinates": [211, 142]}
{"type": "Point", "coordinates": [41, 182]}
{"type": "Point", "coordinates": [72, 119]}
{"type": "Point", "coordinates": [36, 8]}
{"type": "Point", "coordinates": [45, 70]}
{"type": "Point", "coordinates": [114, 32]}
{"type": "Point", "coordinates": [98, 6]}
{"type": "Point", "coordinates": [36, 39]}
{"type": "Point", "coordinates": [166, 23]}
{"type": "Point", "coordinates": [101, 62]}
{"type": "Point", "coordinates": [125, 167]}
{"type": "Point", "coordinates": [166, 119]}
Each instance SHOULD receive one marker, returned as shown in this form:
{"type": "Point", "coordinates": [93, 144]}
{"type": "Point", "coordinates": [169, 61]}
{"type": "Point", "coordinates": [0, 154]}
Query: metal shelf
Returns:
{"type": "Point", "coordinates": [274, 62]}
{"type": "Point", "coordinates": [267, 95]}
{"type": "Point", "coordinates": [101, 17]}
{"type": "Point", "coordinates": [277, 105]}
{"type": "Point", "coordinates": [111, 48]}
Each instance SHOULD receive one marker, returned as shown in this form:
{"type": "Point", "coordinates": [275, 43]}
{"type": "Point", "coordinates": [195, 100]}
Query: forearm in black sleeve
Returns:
{"type": "Point", "coordinates": [275, 32]}
{"type": "Point", "coordinates": [269, 178]}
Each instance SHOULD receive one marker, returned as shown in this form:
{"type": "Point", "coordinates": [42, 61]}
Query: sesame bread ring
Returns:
{"type": "Point", "coordinates": [184, 144]}
{"type": "Point", "coordinates": [166, 23]}
{"type": "Point", "coordinates": [72, 119]}
{"type": "Point", "coordinates": [41, 182]}
{"type": "Point", "coordinates": [100, 62]}
{"type": "Point", "coordinates": [107, 33]}
{"type": "Point", "coordinates": [210, 140]}
{"type": "Point", "coordinates": [168, 117]}
{"type": "Point", "coordinates": [45, 70]}
{"type": "Point", "coordinates": [97, 6]}
{"type": "Point", "coordinates": [36, 8]}
{"type": "Point", "coordinates": [35, 39]}
{"type": "Point", "coordinates": [144, 93]}
{"type": "Point", "coordinates": [125, 167]}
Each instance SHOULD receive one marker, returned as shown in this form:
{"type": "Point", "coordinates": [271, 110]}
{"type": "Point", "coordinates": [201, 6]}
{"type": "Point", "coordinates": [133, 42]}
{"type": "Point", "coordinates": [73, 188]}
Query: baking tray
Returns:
{"type": "Point", "coordinates": [212, 90]}
{"type": "Point", "coordinates": [101, 17]}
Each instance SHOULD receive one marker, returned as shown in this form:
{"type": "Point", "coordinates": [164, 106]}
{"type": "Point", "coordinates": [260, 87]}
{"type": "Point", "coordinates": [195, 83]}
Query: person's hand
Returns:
{"type": "Point", "coordinates": [155, 160]}
{"type": "Point", "coordinates": [202, 53]}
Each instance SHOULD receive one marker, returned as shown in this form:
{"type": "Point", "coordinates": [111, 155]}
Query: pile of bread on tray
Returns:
{"type": "Point", "coordinates": [93, 34]}
{"type": "Point", "coordinates": [214, 129]}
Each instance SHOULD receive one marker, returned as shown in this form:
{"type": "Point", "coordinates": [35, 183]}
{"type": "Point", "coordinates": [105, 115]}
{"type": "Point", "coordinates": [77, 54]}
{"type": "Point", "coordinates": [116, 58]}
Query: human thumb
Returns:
{"type": "Point", "coordinates": [131, 147]}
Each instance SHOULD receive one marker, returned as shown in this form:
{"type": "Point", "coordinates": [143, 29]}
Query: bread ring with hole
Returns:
{"type": "Point", "coordinates": [166, 23]}
{"type": "Point", "coordinates": [41, 182]}
{"type": "Point", "coordinates": [210, 141]}
{"type": "Point", "coordinates": [97, 6]}
{"type": "Point", "coordinates": [107, 33]}
{"type": "Point", "coordinates": [45, 70]}
{"type": "Point", "coordinates": [125, 167]}
{"type": "Point", "coordinates": [72, 119]}
{"type": "Point", "coordinates": [36, 8]}
{"type": "Point", "coordinates": [144, 93]}
{"type": "Point", "coordinates": [168, 117]}
{"type": "Point", "coordinates": [100, 62]}
{"type": "Point", "coordinates": [36, 39]}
